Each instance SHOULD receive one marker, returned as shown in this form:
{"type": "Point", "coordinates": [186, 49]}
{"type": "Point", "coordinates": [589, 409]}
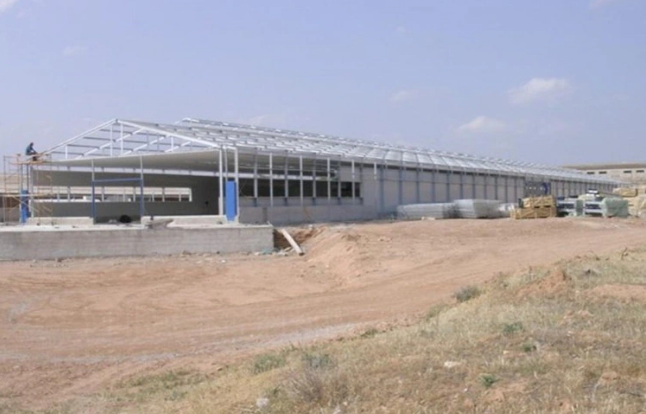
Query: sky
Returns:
{"type": "Point", "coordinates": [551, 81]}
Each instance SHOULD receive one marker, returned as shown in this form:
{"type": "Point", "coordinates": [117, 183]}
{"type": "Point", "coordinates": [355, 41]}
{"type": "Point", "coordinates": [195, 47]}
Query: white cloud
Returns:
{"type": "Point", "coordinates": [483, 124]}
{"type": "Point", "coordinates": [595, 4]}
{"type": "Point", "coordinates": [74, 50]}
{"type": "Point", "coordinates": [539, 89]}
{"type": "Point", "coordinates": [403, 96]}
{"type": "Point", "coordinates": [6, 5]}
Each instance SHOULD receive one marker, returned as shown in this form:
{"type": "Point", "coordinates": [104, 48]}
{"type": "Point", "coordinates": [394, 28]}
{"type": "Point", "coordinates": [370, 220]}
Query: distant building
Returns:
{"type": "Point", "coordinates": [631, 173]}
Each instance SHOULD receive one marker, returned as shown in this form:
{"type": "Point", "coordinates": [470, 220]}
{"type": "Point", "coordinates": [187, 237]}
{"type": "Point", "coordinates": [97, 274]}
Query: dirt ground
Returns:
{"type": "Point", "coordinates": [73, 327]}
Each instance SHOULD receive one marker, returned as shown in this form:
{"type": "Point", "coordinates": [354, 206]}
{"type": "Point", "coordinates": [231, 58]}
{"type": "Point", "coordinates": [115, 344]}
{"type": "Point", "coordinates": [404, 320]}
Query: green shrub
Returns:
{"type": "Point", "coordinates": [528, 347]}
{"type": "Point", "coordinates": [267, 362]}
{"type": "Point", "coordinates": [467, 293]}
{"type": "Point", "coordinates": [487, 380]}
{"type": "Point", "coordinates": [316, 361]}
{"type": "Point", "coordinates": [369, 333]}
{"type": "Point", "coordinates": [511, 328]}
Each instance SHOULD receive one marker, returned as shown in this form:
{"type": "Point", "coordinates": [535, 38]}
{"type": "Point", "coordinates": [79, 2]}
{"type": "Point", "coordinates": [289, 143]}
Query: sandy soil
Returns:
{"type": "Point", "coordinates": [75, 327]}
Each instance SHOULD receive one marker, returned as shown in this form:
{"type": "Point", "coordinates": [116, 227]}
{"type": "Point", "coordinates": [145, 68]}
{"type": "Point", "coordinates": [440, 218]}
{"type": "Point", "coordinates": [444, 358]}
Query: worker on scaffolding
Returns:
{"type": "Point", "coordinates": [31, 152]}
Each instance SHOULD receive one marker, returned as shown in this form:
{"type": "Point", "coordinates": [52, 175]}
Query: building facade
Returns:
{"type": "Point", "coordinates": [629, 173]}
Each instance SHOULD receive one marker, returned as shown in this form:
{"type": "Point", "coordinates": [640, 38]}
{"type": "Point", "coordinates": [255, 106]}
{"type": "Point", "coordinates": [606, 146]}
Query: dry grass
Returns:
{"type": "Point", "coordinates": [542, 341]}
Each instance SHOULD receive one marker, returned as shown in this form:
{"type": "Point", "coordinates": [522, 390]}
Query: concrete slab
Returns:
{"type": "Point", "coordinates": [183, 221]}
{"type": "Point", "coordinates": [59, 221]}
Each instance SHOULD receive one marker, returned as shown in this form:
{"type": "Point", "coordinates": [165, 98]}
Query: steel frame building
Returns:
{"type": "Point", "coordinates": [281, 176]}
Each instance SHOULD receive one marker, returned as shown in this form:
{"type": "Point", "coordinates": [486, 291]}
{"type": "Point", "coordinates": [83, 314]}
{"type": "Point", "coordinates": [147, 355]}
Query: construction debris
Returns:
{"type": "Point", "coordinates": [158, 224]}
{"type": "Point", "coordinates": [292, 242]}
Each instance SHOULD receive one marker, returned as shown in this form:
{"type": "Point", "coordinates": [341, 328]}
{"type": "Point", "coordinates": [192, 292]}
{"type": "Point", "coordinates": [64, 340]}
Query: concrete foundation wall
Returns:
{"type": "Point", "coordinates": [28, 244]}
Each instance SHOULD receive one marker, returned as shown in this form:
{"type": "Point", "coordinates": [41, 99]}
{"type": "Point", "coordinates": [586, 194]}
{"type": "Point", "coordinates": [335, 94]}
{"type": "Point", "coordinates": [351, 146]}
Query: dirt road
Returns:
{"type": "Point", "coordinates": [74, 327]}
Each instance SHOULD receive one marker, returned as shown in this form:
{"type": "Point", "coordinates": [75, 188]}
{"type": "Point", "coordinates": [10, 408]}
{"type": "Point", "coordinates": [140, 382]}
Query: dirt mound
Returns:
{"type": "Point", "coordinates": [555, 283]}
{"type": "Point", "coordinates": [621, 292]}
{"type": "Point", "coordinates": [344, 254]}
{"type": "Point", "coordinates": [300, 236]}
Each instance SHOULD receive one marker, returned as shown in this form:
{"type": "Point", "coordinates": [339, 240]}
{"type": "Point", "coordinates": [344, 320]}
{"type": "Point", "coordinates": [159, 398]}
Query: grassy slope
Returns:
{"type": "Point", "coordinates": [567, 339]}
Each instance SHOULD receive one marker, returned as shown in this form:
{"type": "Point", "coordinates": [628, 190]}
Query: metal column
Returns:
{"type": "Point", "coordinates": [221, 184]}
{"type": "Point", "coordinates": [255, 180]}
{"type": "Point", "coordinates": [271, 180]}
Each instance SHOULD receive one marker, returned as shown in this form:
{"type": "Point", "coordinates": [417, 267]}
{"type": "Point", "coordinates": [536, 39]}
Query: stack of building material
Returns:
{"type": "Point", "coordinates": [478, 209]}
{"type": "Point", "coordinates": [505, 209]}
{"type": "Point", "coordinates": [569, 206]}
{"type": "Point", "coordinates": [636, 198]}
{"type": "Point", "coordinates": [421, 211]}
{"type": "Point", "coordinates": [637, 205]}
{"type": "Point", "coordinates": [535, 207]}
{"type": "Point", "coordinates": [626, 192]}
{"type": "Point", "coordinates": [614, 207]}
{"type": "Point", "coordinates": [592, 208]}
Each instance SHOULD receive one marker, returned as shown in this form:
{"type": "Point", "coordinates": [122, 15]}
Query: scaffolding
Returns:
{"type": "Point", "coordinates": [26, 186]}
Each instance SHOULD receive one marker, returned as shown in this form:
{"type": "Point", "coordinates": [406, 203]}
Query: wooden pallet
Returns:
{"type": "Point", "coordinates": [533, 213]}
{"type": "Point", "coordinates": [539, 202]}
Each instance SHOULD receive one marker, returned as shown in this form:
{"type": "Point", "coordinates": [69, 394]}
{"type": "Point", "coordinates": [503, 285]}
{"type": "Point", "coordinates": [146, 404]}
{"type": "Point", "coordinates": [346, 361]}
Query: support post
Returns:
{"type": "Point", "coordinates": [93, 208]}
{"type": "Point", "coordinates": [462, 184]}
{"type": "Point", "coordinates": [449, 177]}
{"type": "Point", "coordinates": [232, 200]}
{"type": "Point", "coordinates": [314, 182]}
{"type": "Point", "coordinates": [141, 188]}
{"type": "Point", "coordinates": [418, 194]}
{"type": "Point", "coordinates": [329, 184]}
{"type": "Point", "coordinates": [338, 180]}
{"type": "Point", "coordinates": [286, 173]}
{"type": "Point", "coordinates": [353, 182]}
{"type": "Point", "coordinates": [221, 184]}
{"type": "Point", "coordinates": [433, 182]}
{"type": "Point", "coordinates": [300, 168]}
{"type": "Point", "coordinates": [255, 180]}
{"type": "Point", "coordinates": [237, 181]}
{"type": "Point", "coordinates": [400, 186]}
{"type": "Point", "coordinates": [271, 180]}
{"type": "Point", "coordinates": [506, 189]}
{"type": "Point", "coordinates": [375, 177]}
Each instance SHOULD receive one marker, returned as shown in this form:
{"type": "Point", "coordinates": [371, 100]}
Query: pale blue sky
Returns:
{"type": "Point", "coordinates": [551, 81]}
